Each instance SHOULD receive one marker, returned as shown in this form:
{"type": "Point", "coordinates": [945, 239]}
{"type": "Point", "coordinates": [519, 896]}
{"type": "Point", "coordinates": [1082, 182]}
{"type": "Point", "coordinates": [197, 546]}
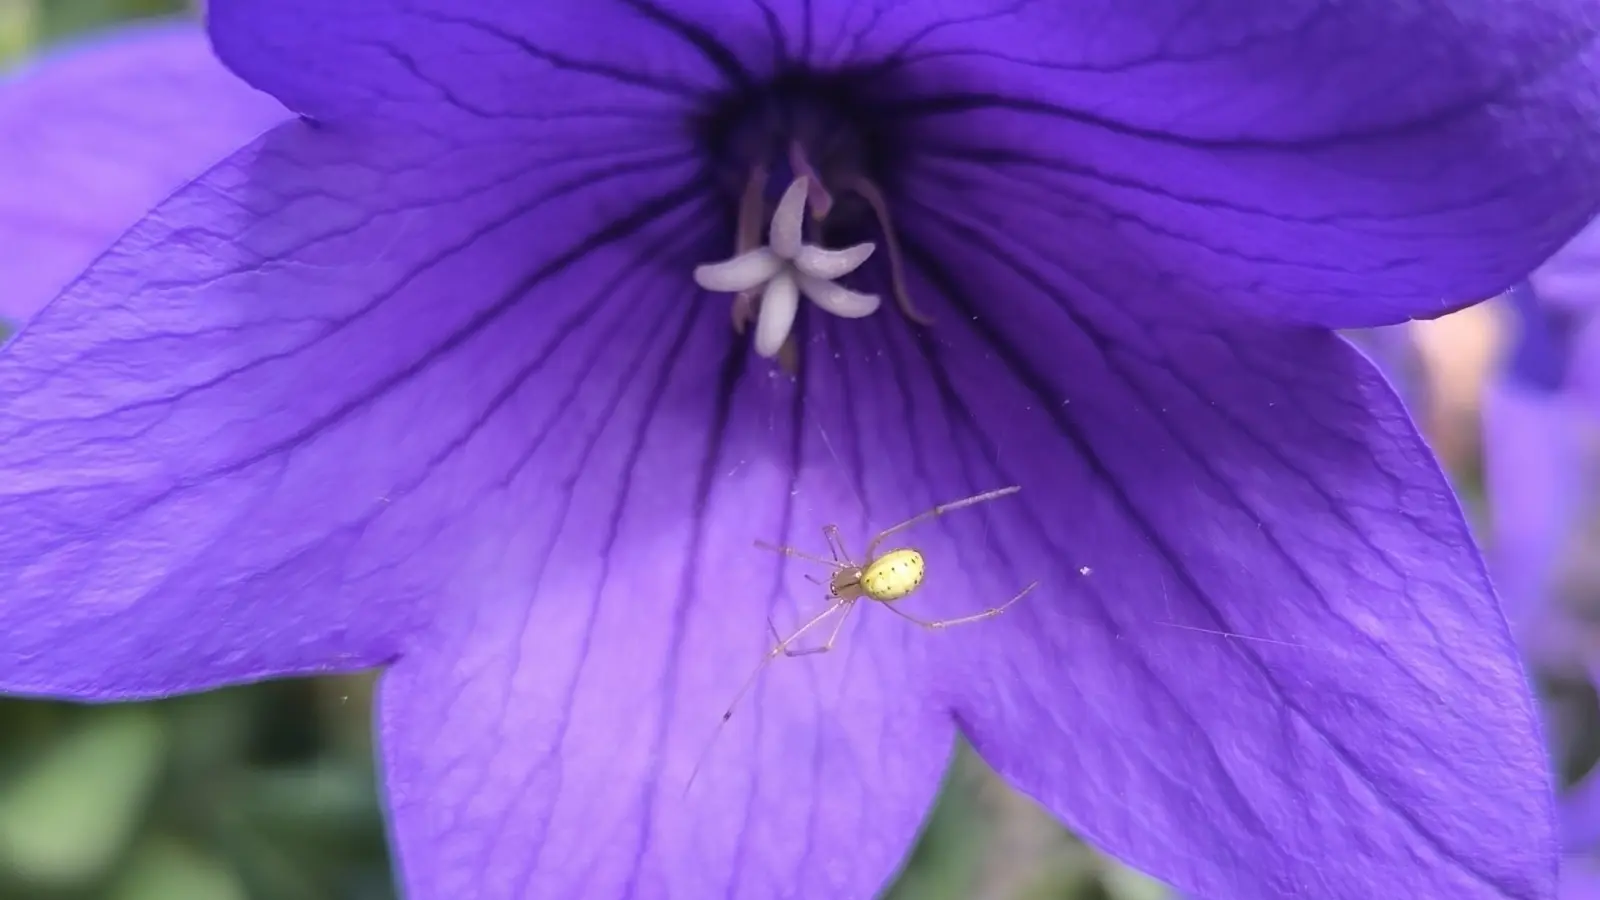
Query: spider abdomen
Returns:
{"type": "Point", "coordinates": [893, 575]}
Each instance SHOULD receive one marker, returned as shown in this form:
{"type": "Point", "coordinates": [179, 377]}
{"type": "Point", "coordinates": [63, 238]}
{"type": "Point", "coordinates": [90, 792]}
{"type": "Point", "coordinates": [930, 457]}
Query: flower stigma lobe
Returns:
{"type": "Point", "coordinates": [784, 270]}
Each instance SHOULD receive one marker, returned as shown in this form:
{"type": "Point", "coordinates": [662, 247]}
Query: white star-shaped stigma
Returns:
{"type": "Point", "coordinates": [784, 270]}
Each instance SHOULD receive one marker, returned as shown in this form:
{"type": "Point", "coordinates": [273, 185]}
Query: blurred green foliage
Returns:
{"type": "Point", "coordinates": [269, 793]}
{"type": "Point", "coordinates": [260, 793]}
{"type": "Point", "coordinates": [28, 24]}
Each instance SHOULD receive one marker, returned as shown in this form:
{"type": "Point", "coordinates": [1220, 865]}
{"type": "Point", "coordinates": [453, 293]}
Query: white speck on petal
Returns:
{"type": "Point", "coordinates": [744, 272]}
{"type": "Point", "coordinates": [836, 299]}
{"type": "Point", "coordinates": [829, 265]}
{"type": "Point", "coordinates": [780, 302]}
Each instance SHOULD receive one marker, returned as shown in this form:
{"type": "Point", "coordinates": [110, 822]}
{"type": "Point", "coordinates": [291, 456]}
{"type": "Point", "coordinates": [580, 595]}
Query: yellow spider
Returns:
{"type": "Point", "coordinates": [886, 579]}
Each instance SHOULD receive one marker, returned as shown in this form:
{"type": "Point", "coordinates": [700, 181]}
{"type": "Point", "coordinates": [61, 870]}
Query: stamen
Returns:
{"type": "Point", "coordinates": [789, 357]}
{"type": "Point", "coordinates": [747, 237]}
{"type": "Point", "coordinates": [744, 311]}
{"type": "Point", "coordinates": [869, 192]}
{"type": "Point", "coordinates": [750, 208]}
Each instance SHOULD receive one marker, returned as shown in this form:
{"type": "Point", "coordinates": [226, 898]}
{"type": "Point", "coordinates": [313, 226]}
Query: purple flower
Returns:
{"type": "Point", "coordinates": [98, 134]}
{"type": "Point", "coordinates": [426, 381]}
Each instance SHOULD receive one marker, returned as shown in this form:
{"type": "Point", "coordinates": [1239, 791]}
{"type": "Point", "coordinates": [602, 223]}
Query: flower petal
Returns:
{"type": "Point", "coordinates": [543, 745]}
{"type": "Point", "coordinates": [236, 447]}
{"type": "Point", "coordinates": [495, 66]}
{"type": "Point", "coordinates": [1264, 659]}
{"type": "Point", "coordinates": [1336, 164]}
{"type": "Point", "coordinates": [100, 132]}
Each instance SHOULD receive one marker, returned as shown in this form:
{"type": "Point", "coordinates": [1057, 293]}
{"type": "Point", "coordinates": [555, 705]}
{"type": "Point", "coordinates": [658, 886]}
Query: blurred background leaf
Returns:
{"type": "Point", "coordinates": [67, 813]}
{"type": "Point", "coordinates": [58, 19]}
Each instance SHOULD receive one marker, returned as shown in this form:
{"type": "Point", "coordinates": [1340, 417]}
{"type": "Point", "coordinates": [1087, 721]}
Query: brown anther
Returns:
{"type": "Point", "coordinates": [752, 211]}
{"type": "Point", "coordinates": [744, 311]}
{"type": "Point", "coordinates": [789, 357]}
{"type": "Point", "coordinates": [747, 236]}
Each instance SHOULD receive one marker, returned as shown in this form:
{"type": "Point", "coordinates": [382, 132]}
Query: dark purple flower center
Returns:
{"type": "Point", "coordinates": [835, 124]}
{"type": "Point", "coordinates": [824, 136]}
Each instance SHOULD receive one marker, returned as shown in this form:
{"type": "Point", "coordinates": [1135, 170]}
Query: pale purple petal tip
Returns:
{"type": "Point", "coordinates": [98, 133]}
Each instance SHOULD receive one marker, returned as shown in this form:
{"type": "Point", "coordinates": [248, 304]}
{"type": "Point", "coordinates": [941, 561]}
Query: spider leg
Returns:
{"type": "Point", "coordinates": [824, 647]}
{"type": "Point", "coordinates": [778, 650]}
{"type": "Point", "coordinates": [938, 511]}
{"type": "Point", "coordinates": [989, 613]}
{"type": "Point", "coordinates": [800, 554]}
{"type": "Point", "coordinates": [830, 533]}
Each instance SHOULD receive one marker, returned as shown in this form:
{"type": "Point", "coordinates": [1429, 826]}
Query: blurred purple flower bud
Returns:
{"type": "Point", "coordinates": [1534, 463]}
